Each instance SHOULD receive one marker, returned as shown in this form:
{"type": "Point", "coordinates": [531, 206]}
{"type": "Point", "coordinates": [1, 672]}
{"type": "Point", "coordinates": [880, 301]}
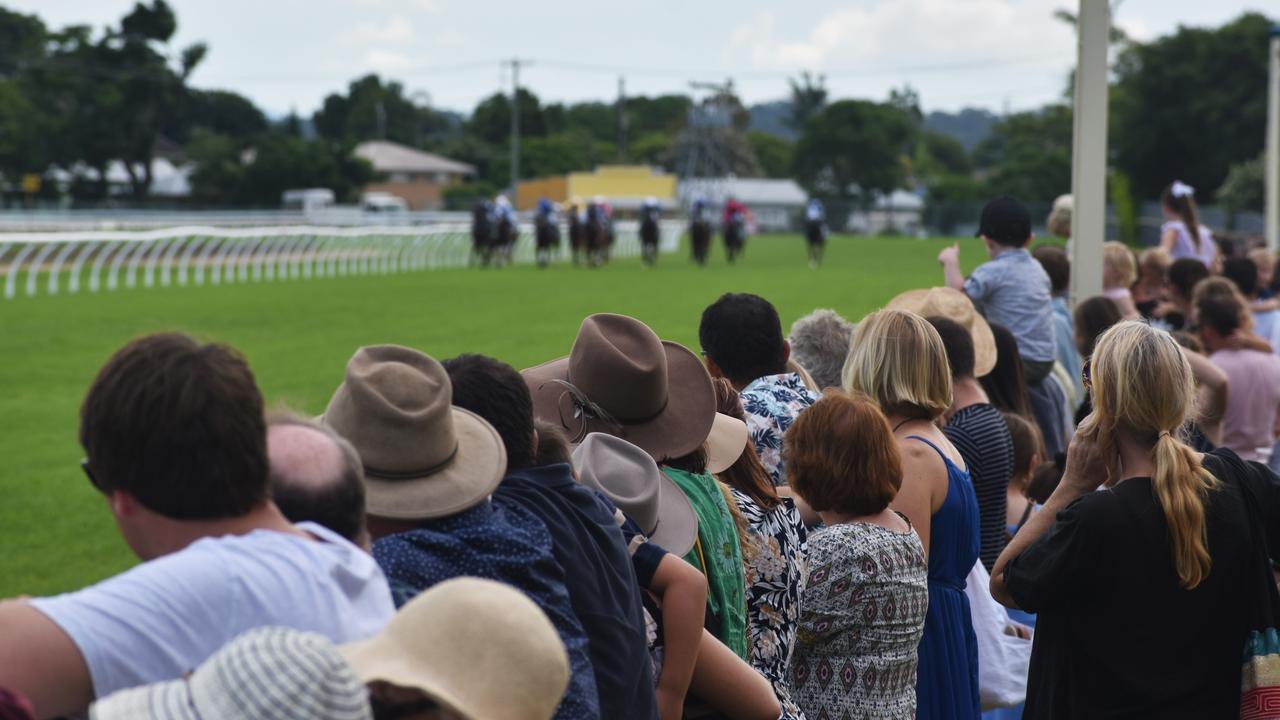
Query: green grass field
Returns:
{"type": "Point", "coordinates": [57, 535]}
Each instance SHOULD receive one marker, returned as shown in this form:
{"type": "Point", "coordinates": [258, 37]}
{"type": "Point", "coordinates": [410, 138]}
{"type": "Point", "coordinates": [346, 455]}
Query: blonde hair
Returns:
{"type": "Point", "coordinates": [1142, 383]}
{"type": "Point", "coordinates": [1118, 258]}
{"type": "Point", "coordinates": [1262, 257]}
{"type": "Point", "coordinates": [1217, 286]}
{"type": "Point", "coordinates": [898, 359]}
{"type": "Point", "coordinates": [1156, 258]}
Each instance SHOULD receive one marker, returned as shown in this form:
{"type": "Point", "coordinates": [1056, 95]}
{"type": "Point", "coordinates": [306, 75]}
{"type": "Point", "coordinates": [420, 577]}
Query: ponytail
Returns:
{"type": "Point", "coordinates": [1184, 205]}
{"type": "Point", "coordinates": [1182, 487]}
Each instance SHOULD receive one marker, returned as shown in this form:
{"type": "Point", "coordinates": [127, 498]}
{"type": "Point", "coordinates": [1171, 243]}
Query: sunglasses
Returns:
{"type": "Point", "coordinates": [1086, 374]}
{"type": "Point", "coordinates": [88, 472]}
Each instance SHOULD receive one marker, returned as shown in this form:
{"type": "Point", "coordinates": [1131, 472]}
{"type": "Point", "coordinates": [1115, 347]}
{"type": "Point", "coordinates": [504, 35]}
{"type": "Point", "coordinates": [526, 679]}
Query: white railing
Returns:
{"type": "Point", "coordinates": [200, 255]}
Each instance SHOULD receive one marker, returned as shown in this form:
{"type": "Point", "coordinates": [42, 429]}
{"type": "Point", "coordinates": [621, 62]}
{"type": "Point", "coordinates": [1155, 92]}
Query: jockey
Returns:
{"type": "Point", "coordinates": [734, 211]}
{"type": "Point", "coordinates": [814, 212]}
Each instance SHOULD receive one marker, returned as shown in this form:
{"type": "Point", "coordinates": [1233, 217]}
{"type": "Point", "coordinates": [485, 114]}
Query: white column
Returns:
{"type": "Point", "coordinates": [1273, 145]}
{"type": "Point", "coordinates": [1089, 149]}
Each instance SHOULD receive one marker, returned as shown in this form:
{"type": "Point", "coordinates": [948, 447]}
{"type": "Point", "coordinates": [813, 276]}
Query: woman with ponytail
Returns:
{"type": "Point", "coordinates": [1140, 567]}
{"type": "Point", "coordinates": [1182, 235]}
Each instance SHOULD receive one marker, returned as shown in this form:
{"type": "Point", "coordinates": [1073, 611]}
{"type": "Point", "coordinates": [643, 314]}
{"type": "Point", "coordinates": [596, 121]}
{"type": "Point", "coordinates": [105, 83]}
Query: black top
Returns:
{"type": "Point", "coordinates": [1116, 635]}
{"type": "Point", "coordinates": [982, 437]}
{"type": "Point", "coordinates": [598, 572]}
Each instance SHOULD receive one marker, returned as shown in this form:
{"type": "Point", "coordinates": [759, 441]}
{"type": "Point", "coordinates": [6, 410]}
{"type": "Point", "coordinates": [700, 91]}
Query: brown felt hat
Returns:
{"type": "Point", "coordinates": [422, 457]}
{"type": "Point", "coordinates": [957, 307]}
{"type": "Point", "coordinates": [620, 379]}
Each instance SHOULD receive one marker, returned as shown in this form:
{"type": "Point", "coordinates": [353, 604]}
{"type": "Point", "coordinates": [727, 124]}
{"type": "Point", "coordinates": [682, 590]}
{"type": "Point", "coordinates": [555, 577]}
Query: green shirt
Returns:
{"type": "Point", "coordinates": [718, 541]}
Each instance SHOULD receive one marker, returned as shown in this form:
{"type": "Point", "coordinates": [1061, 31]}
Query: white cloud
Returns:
{"type": "Point", "coordinates": [449, 38]}
{"type": "Point", "coordinates": [395, 30]}
{"type": "Point", "coordinates": [386, 61]}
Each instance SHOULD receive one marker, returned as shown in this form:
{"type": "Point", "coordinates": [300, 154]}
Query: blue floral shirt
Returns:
{"type": "Point", "coordinates": [771, 404]}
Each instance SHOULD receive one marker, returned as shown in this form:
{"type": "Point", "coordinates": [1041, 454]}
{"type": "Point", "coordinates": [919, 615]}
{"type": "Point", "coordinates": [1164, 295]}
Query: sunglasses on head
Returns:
{"type": "Point", "coordinates": [1086, 374]}
{"type": "Point", "coordinates": [88, 472]}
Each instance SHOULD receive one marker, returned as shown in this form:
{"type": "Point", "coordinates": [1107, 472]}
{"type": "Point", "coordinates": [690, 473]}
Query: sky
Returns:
{"type": "Point", "coordinates": [287, 55]}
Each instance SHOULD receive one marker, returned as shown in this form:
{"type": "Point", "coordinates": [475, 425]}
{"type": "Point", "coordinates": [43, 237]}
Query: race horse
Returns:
{"type": "Point", "coordinates": [598, 235]}
{"type": "Point", "coordinates": [547, 237]}
{"type": "Point", "coordinates": [481, 235]}
{"type": "Point", "coordinates": [700, 235]}
{"type": "Point", "coordinates": [649, 235]}
{"type": "Point", "coordinates": [577, 235]}
{"type": "Point", "coordinates": [508, 233]}
{"type": "Point", "coordinates": [815, 233]}
{"type": "Point", "coordinates": [735, 237]}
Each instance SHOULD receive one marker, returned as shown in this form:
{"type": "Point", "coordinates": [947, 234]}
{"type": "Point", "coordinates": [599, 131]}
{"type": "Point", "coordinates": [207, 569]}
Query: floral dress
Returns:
{"type": "Point", "coordinates": [864, 608]}
{"type": "Point", "coordinates": [775, 573]}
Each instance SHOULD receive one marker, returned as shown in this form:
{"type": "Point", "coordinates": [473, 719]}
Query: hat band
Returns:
{"type": "Point", "coordinates": [411, 474]}
{"type": "Point", "coordinates": [587, 409]}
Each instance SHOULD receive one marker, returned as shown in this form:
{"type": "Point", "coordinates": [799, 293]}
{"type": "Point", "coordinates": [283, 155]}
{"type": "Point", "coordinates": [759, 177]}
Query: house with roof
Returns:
{"type": "Point", "coordinates": [417, 177]}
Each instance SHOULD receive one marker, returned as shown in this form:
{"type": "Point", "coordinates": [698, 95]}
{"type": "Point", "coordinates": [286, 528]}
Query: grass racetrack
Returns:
{"type": "Point", "coordinates": [56, 533]}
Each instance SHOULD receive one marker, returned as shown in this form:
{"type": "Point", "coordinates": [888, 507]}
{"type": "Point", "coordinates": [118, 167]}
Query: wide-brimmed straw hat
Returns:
{"type": "Point", "coordinates": [479, 648]}
{"type": "Point", "coordinates": [422, 457]}
{"type": "Point", "coordinates": [955, 306]}
{"type": "Point", "coordinates": [632, 480]}
{"type": "Point", "coordinates": [620, 379]}
{"type": "Point", "coordinates": [255, 676]}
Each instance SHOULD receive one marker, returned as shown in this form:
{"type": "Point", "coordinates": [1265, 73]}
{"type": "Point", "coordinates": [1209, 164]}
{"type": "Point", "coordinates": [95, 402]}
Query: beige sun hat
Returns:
{"type": "Point", "coordinates": [953, 305]}
{"type": "Point", "coordinates": [726, 443]}
{"type": "Point", "coordinates": [477, 647]}
{"type": "Point", "coordinates": [423, 458]}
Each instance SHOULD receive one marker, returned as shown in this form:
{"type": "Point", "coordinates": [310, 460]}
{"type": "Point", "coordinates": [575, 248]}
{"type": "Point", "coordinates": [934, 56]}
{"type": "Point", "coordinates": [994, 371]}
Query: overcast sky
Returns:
{"type": "Point", "coordinates": [288, 54]}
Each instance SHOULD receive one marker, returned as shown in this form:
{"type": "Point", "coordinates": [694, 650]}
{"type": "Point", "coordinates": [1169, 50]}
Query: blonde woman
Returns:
{"type": "Point", "coordinates": [1119, 273]}
{"type": "Point", "coordinates": [898, 360]}
{"type": "Point", "coordinates": [1142, 588]}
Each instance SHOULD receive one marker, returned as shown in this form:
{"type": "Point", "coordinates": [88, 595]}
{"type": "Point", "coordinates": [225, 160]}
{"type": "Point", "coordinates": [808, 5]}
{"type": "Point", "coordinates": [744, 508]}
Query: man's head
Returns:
{"type": "Point", "coordinates": [1005, 224]}
{"type": "Point", "coordinates": [174, 428]}
{"type": "Point", "coordinates": [741, 337]}
{"type": "Point", "coordinates": [820, 343]}
{"type": "Point", "coordinates": [1184, 274]}
{"type": "Point", "coordinates": [958, 344]}
{"type": "Point", "coordinates": [1244, 273]}
{"type": "Point", "coordinates": [1056, 265]}
{"type": "Point", "coordinates": [496, 392]}
{"type": "Point", "coordinates": [316, 475]}
{"type": "Point", "coordinates": [1219, 317]}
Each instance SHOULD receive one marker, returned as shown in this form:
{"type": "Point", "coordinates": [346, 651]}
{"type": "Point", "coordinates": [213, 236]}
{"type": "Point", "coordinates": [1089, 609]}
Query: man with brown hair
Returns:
{"type": "Point", "coordinates": [176, 442]}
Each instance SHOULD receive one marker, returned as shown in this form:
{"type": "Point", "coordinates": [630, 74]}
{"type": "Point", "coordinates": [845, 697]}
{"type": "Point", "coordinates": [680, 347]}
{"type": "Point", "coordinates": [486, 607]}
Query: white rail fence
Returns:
{"type": "Point", "coordinates": [200, 255]}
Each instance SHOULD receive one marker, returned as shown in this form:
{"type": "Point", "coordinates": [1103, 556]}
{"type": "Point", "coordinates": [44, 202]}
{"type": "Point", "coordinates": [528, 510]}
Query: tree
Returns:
{"type": "Point", "coordinates": [22, 41]}
{"type": "Point", "coordinates": [219, 111]}
{"type": "Point", "coordinates": [808, 97]}
{"type": "Point", "coordinates": [1028, 155]}
{"type": "Point", "coordinates": [491, 120]}
{"type": "Point", "coordinates": [853, 147]}
{"type": "Point", "coordinates": [1189, 105]}
{"type": "Point", "coordinates": [1244, 188]}
{"type": "Point", "coordinates": [374, 110]}
{"type": "Point", "coordinates": [774, 153]}
{"type": "Point", "coordinates": [278, 162]}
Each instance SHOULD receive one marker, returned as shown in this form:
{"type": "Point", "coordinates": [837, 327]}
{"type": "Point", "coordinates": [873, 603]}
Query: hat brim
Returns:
{"type": "Point", "coordinates": [475, 471]}
{"type": "Point", "coordinates": [677, 529]}
{"type": "Point", "coordinates": [726, 443]}
{"type": "Point", "coordinates": [375, 661]}
{"type": "Point", "coordinates": [984, 341]}
{"type": "Point", "coordinates": [160, 701]}
{"type": "Point", "coordinates": [679, 429]}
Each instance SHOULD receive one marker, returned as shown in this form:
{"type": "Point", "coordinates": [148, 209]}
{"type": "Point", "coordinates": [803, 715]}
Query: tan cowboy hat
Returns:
{"type": "Point", "coordinates": [622, 380]}
{"type": "Point", "coordinates": [953, 305]}
{"type": "Point", "coordinates": [479, 648]}
{"type": "Point", "coordinates": [630, 478]}
{"type": "Point", "coordinates": [726, 443]}
{"type": "Point", "coordinates": [422, 457]}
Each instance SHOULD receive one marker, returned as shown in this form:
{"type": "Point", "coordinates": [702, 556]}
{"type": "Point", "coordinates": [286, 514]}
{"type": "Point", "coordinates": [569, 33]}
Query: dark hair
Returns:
{"type": "Point", "coordinates": [1094, 317]}
{"type": "Point", "coordinates": [1027, 441]}
{"type": "Point", "coordinates": [1185, 208]}
{"type": "Point", "coordinates": [336, 501]}
{"type": "Point", "coordinates": [958, 343]}
{"type": "Point", "coordinates": [496, 392]}
{"type": "Point", "coordinates": [1045, 479]}
{"type": "Point", "coordinates": [841, 455]}
{"type": "Point", "coordinates": [1056, 265]}
{"type": "Point", "coordinates": [553, 446]}
{"type": "Point", "coordinates": [1185, 273]}
{"type": "Point", "coordinates": [741, 333]}
{"type": "Point", "coordinates": [1188, 340]}
{"type": "Point", "coordinates": [1006, 384]}
{"type": "Point", "coordinates": [1243, 272]}
{"type": "Point", "coordinates": [694, 462]}
{"type": "Point", "coordinates": [179, 426]}
{"type": "Point", "coordinates": [1220, 313]}
{"type": "Point", "coordinates": [747, 474]}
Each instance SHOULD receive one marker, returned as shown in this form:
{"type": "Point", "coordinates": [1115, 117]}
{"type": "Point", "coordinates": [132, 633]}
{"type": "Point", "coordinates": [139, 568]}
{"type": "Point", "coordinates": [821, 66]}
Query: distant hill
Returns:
{"type": "Point", "coordinates": [970, 126]}
{"type": "Point", "coordinates": [771, 117]}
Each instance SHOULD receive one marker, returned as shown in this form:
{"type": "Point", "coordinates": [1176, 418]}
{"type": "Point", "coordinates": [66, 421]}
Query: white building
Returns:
{"type": "Point", "coordinates": [775, 204]}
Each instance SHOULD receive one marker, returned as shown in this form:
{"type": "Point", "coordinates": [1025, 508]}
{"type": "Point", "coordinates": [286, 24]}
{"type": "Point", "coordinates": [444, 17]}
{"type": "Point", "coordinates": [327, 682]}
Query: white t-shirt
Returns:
{"type": "Point", "coordinates": [164, 617]}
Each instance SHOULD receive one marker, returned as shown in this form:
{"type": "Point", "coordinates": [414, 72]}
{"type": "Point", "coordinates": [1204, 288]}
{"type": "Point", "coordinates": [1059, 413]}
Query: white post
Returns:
{"type": "Point", "coordinates": [1089, 149]}
{"type": "Point", "coordinates": [1273, 145]}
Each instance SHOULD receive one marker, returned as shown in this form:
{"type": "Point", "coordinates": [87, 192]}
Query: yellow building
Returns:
{"type": "Point", "coordinates": [622, 186]}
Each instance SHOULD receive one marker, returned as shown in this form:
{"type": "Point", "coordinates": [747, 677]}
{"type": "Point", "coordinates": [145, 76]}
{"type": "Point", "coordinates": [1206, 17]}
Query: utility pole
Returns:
{"type": "Point", "coordinates": [515, 64]}
{"type": "Point", "coordinates": [1089, 149]}
{"type": "Point", "coordinates": [1272, 186]}
{"type": "Point", "coordinates": [622, 117]}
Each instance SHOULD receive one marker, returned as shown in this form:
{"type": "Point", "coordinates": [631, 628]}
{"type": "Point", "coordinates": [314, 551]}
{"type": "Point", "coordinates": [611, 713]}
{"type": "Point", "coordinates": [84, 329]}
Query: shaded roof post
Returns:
{"type": "Point", "coordinates": [1089, 149]}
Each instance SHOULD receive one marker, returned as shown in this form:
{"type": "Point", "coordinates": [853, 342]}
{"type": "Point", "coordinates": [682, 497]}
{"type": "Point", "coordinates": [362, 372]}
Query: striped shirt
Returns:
{"type": "Point", "coordinates": [982, 437]}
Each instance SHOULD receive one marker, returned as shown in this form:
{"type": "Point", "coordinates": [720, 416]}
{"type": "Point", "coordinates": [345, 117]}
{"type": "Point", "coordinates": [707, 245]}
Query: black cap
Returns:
{"type": "Point", "coordinates": [1006, 221]}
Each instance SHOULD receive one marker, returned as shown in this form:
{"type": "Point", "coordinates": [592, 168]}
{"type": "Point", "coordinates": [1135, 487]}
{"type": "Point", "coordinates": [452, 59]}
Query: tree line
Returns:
{"type": "Point", "coordinates": [1190, 105]}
